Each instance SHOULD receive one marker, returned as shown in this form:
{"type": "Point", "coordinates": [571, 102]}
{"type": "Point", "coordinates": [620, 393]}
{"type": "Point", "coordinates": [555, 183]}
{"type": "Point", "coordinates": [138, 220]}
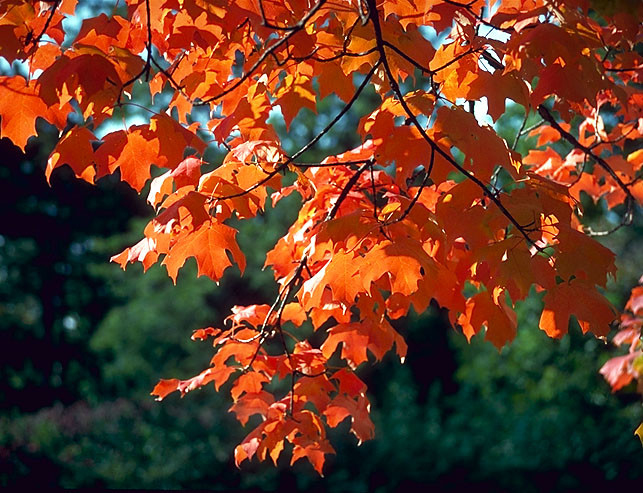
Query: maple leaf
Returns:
{"type": "Point", "coordinates": [617, 371]}
{"type": "Point", "coordinates": [217, 375]}
{"type": "Point", "coordinates": [344, 406]}
{"type": "Point", "coordinates": [144, 251]}
{"type": "Point", "coordinates": [349, 383]}
{"type": "Point", "coordinates": [160, 187]}
{"type": "Point", "coordinates": [583, 257]}
{"type": "Point", "coordinates": [87, 76]}
{"type": "Point", "coordinates": [404, 262]}
{"type": "Point", "coordinates": [621, 370]}
{"type": "Point", "coordinates": [165, 387]}
{"type": "Point", "coordinates": [131, 151]}
{"type": "Point", "coordinates": [187, 172]}
{"type": "Point", "coordinates": [173, 139]}
{"type": "Point", "coordinates": [340, 274]}
{"type": "Point", "coordinates": [316, 390]}
{"type": "Point", "coordinates": [354, 343]}
{"type": "Point", "coordinates": [492, 311]}
{"type": "Point", "coordinates": [639, 432]}
{"type": "Point", "coordinates": [250, 383]}
{"type": "Point", "coordinates": [314, 452]}
{"type": "Point", "coordinates": [20, 106]}
{"type": "Point", "coordinates": [252, 403]}
{"type": "Point", "coordinates": [208, 244]}
{"type": "Point", "coordinates": [76, 150]}
{"type": "Point", "coordinates": [593, 312]}
{"type": "Point", "coordinates": [357, 337]}
{"type": "Point", "coordinates": [635, 302]}
{"type": "Point", "coordinates": [295, 93]}
{"type": "Point", "coordinates": [460, 128]}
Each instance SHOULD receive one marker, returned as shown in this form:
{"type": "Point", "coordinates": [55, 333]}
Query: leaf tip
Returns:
{"type": "Point", "coordinates": [639, 432]}
{"type": "Point", "coordinates": [165, 387]}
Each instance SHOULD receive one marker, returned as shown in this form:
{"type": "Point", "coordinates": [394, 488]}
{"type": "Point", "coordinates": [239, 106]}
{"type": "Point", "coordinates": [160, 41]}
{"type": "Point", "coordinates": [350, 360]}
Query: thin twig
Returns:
{"type": "Point", "coordinates": [296, 28]}
{"type": "Point", "coordinates": [416, 197]}
{"type": "Point", "coordinates": [290, 160]}
{"type": "Point", "coordinates": [396, 89]}
{"type": "Point", "coordinates": [409, 59]}
{"type": "Point", "coordinates": [50, 17]}
{"type": "Point", "coordinates": [339, 115]}
{"type": "Point", "coordinates": [347, 188]}
{"type": "Point", "coordinates": [629, 201]}
{"type": "Point", "coordinates": [148, 61]}
{"type": "Point", "coordinates": [329, 165]}
{"type": "Point", "coordinates": [634, 69]}
{"type": "Point", "coordinates": [522, 127]}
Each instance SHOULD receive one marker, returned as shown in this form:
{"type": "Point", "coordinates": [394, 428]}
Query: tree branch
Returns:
{"type": "Point", "coordinates": [296, 28]}
{"type": "Point", "coordinates": [50, 17]}
{"type": "Point", "coordinates": [397, 91]}
{"type": "Point", "coordinates": [345, 191]}
{"type": "Point", "coordinates": [416, 197]}
{"type": "Point", "coordinates": [629, 201]}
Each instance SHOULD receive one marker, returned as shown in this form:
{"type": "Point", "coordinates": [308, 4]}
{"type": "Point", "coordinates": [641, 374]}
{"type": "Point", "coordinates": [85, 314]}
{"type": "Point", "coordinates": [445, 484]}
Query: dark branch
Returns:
{"type": "Point", "coordinates": [148, 61]}
{"type": "Point", "coordinates": [547, 116]}
{"type": "Point", "coordinates": [344, 110]}
{"type": "Point", "coordinates": [296, 28]}
{"type": "Point", "coordinates": [346, 190]}
{"type": "Point", "coordinates": [290, 160]}
{"type": "Point", "coordinates": [413, 62]}
{"type": "Point", "coordinates": [634, 69]}
{"type": "Point", "coordinates": [396, 90]}
{"type": "Point", "coordinates": [50, 17]}
{"type": "Point", "coordinates": [424, 183]}
{"type": "Point", "coordinates": [629, 201]}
